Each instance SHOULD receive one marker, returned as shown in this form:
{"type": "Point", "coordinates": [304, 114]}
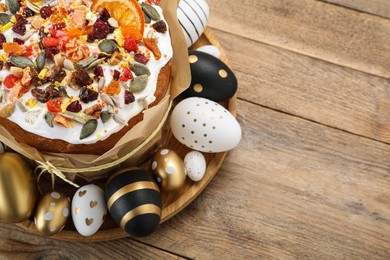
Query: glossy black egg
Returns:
{"type": "Point", "coordinates": [134, 201]}
{"type": "Point", "coordinates": [211, 78]}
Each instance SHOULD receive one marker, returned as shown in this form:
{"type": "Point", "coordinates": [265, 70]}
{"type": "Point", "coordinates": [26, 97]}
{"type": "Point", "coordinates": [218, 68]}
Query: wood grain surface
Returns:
{"type": "Point", "coordinates": [311, 176]}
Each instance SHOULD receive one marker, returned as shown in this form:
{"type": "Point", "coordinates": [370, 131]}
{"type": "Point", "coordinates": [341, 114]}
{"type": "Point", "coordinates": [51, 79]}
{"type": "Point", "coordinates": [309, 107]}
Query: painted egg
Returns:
{"type": "Point", "coordinates": [18, 188]}
{"type": "Point", "coordinates": [168, 169]}
{"type": "Point", "coordinates": [88, 209]}
{"type": "Point", "coordinates": [193, 16]}
{"type": "Point", "coordinates": [210, 49]}
{"type": "Point", "coordinates": [211, 78]}
{"type": "Point", "coordinates": [53, 210]}
{"type": "Point", "coordinates": [134, 201]}
{"type": "Point", "coordinates": [195, 164]}
{"type": "Point", "coordinates": [205, 125]}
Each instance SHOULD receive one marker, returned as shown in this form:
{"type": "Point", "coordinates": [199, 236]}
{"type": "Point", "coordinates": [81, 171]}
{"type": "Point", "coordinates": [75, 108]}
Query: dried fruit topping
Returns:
{"type": "Point", "coordinates": [129, 97]}
{"type": "Point", "coordinates": [80, 78]}
{"type": "Point", "coordinates": [27, 76]}
{"type": "Point", "coordinates": [54, 105]}
{"type": "Point", "coordinates": [160, 26]}
{"type": "Point", "coordinates": [62, 120]}
{"type": "Point", "coordinates": [45, 12]}
{"type": "Point", "coordinates": [94, 111]}
{"type": "Point", "coordinates": [74, 107]}
{"type": "Point", "coordinates": [56, 92]}
{"type": "Point", "coordinates": [19, 28]}
{"type": "Point", "coordinates": [126, 74]}
{"type": "Point", "coordinates": [104, 15]}
{"type": "Point", "coordinates": [12, 48]}
{"type": "Point", "coordinates": [28, 12]}
{"type": "Point", "coordinates": [100, 30]}
{"type": "Point", "coordinates": [2, 40]}
{"type": "Point", "coordinates": [20, 18]}
{"type": "Point", "coordinates": [86, 95]}
{"type": "Point", "coordinates": [139, 57]}
{"type": "Point", "coordinates": [51, 51]}
{"type": "Point", "coordinates": [40, 94]}
{"type": "Point", "coordinates": [114, 88]}
{"type": "Point", "coordinates": [130, 44]}
{"type": "Point", "coordinates": [155, 2]}
{"type": "Point", "coordinates": [59, 26]}
{"type": "Point", "coordinates": [50, 42]}
{"type": "Point", "coordinates": [98, 72]}
{"type": "Point", "coordinates": [56, 74]}
{"type": "Point", "coordinates": [17, 40]}
{"type": "Point", "coordinates": [116, 74]}
{"type": "Point", "coordinates": [151, 43]}
{"type": "Point", "coordinates": [88, 129]}
{"type": "Point", "coordinates": [10, 80]}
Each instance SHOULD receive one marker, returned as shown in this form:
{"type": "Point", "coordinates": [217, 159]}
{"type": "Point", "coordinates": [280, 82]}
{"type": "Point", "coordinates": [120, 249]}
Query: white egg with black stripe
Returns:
{"type": "Point", "coordinates": [193, 16]}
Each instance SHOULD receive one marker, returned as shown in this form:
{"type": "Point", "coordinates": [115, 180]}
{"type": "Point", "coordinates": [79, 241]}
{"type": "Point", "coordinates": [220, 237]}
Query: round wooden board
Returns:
{"type": "Point", "coordinates": [173, 202]}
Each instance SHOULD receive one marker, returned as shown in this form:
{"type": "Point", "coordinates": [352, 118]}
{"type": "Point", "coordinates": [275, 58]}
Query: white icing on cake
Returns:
{"type": "Point", "coordinates": [34, 119]}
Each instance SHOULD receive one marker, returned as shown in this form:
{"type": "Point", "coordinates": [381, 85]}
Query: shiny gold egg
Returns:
{"type": "Point", "coordinates": [168, 169]}
{"type": "Point", "coordinates": [18, 188]}
{"type": "Point", "coordinates": [53, 211]}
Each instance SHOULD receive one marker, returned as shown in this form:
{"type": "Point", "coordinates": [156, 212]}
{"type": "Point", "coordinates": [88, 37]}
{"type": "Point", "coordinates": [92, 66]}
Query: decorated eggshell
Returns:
{"type": "Point", "coordinates": [195, 164]}
{"type": "Point", "coordinates": [193, 16]}
{"type": "Point", "coordinates": [53, 210]}
{"type": "Point", "coordinates": [204, 125]}
{"type": "Point", "coordinates": [88, 209]}
{"type": "Point", "coordinates": [211, 78]}
{"type": "Point", "coordinates": [210, 49]}
{"type": "Point", "coordinates": [134, 201]}
{"type": "Point", "coordinates": [168, 169]}
{"type": "Point", "coordinates": [18, 188]}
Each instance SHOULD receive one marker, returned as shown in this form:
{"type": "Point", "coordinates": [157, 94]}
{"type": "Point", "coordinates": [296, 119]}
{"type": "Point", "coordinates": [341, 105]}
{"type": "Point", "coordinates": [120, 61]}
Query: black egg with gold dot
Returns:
{"type": "Point", "coordinates": [134, 201]}
{"type": "Point", "coordinates": [211, 78]}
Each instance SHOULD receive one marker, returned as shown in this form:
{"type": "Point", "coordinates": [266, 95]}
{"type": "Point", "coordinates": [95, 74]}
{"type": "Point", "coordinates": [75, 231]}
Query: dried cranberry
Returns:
{"type": "Point", "coordinates": [129, 97]}
{"type": "Point", "coordinates": [98, 72]}
{"type": "Point", "coordinates": [20, 18]}
{"type": "Point", "coordinates": [20, 41]}
{"type": "Point", "coordinates": [51, 51]}
{"type": "Point", "coordinates": [45, 12]}
{"type": "Point", "coordinates": [74, 107]}
{"type": "Point", "coordinates": [2, 40]}
{"type": "Point", "coordinates": [104, 15]}
{"type": "Point", "coordinates": [160, 26]}
{"type": "Point", "coordinates": [40, 94]}
{"type": "Point", "coordinates": [86, 95]}
{"type": "Point", "coordinates": [116, 75]}
{"type": "Point", "coordinates": [28, 12]}
{"type": "Point", "coordinates": [139, 57]}
{"type": "Point", "coordinates": [19, 27]}
{"type": "Point", "coordinates": [100, 30]}
{"type": "Point", "coordinates": [59, 26]}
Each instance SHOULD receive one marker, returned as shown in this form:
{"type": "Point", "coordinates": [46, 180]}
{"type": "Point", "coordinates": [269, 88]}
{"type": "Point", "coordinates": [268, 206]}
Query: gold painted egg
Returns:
{"type": "Point", "coordinates": [18, 188]}
{"type": "Point", "coordinates": [53, 211]}
{"type": "Point", "coordinates": [168, 169]}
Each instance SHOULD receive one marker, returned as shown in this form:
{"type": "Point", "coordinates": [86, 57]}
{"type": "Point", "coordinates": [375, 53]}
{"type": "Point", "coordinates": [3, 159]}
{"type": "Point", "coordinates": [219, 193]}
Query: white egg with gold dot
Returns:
{"type": "Point", "coordinates": [195, 164]}
{"type": "Point", "coordinates": [205, 125]}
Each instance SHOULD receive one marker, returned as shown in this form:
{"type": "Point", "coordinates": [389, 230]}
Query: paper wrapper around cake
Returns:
{"type": "Point", "coordinates": [143, 138]}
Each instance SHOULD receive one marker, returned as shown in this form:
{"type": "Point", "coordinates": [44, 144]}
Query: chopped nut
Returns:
{"type": "Point", "coordinates": [27, 76]}
{"type": "Point", "coordinates": [16, 71]}
{"type": "Point", "coordinates": [36, 22]}
{"type": "Point", "coordinates": [94, 111]}
{"type": "Point", "coordinates": [116, 58]}
{"type": "Point", "coordinates": [7, 110]}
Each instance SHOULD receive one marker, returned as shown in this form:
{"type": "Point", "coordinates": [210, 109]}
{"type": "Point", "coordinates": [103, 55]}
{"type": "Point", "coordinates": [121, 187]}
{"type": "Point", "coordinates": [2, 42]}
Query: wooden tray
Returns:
{"type": "Point", "coordinates": [172, 202]}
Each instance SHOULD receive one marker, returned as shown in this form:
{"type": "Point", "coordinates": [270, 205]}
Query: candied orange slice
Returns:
{"type": "Point", "coordinates": [114, 88]}
{"type": "Point", "coordinates": [128, 14]}
{"type": "Point", "coordinates": [12, 47]}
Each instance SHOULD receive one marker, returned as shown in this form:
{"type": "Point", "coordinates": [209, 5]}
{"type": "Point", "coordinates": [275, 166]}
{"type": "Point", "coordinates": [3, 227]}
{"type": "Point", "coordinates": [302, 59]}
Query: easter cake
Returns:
{"type": "Point", "coordinates": [76, 75]}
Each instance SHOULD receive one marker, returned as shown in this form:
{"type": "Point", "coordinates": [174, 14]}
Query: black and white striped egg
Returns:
{"type": "Point", "coordinates": [210, 78]}
{"type": "Point", "coordinates": [134, 201]}
{"type": "Point", "coordinates": [193, 16]}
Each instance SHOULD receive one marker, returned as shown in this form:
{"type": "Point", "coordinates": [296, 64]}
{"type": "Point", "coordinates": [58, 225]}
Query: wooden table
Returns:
{"type": "Point", "coordinates": [311, 176]}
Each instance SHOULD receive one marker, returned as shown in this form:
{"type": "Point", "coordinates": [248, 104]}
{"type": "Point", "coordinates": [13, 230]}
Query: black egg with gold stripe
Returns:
{"type": "Point", "coordinates": [134, 201]}
{"type": "Point", "coordinates": [211, 78]}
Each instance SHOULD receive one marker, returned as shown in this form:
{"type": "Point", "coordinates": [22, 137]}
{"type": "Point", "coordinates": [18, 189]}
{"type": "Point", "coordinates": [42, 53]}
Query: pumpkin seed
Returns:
{"type": "Point", "coordinates": [95, 63]}
{"type": "Point", "coordinates": [101, 83]}
{"type": "Point", "coordinates": [33, 6]}
{"type": "Point", "coordinates": [88, 129]}
{"type": "Point", "coordinates": [140, 69]}
{"type": "Point", "coordinates": [68, 64]}
{"type": "Point", "coordinates": [13, 6]}
{"type": "Point", "coordinates": [5, 18]}
{"type": "Point", "coordinates": [49, 118]}
{"type": "Point", "coordinates": [20, 106]}
{"type": "Point", "coordinates": [147, 18]}
{"type": "Point", "coordinates": [119, 119]}
{"type": "Point", "coordinates": [107, 46]}
{"type": "Point", "coordinates": [40, 61]}
{"type": "Point", "coordinates": [105, 116]}
{"type": "Point", "coordinates": [106, 99]}
{"type": "Point", "coordinates": [21, 61]}
{"type": "Point", "coordinates": [87, 61]}
{"type": "Point", "coordinates": [139, 83]}
{"type": "Point", "coordinates": [151, 12]}
{"type": "Point", "coordinates": [7, 110]}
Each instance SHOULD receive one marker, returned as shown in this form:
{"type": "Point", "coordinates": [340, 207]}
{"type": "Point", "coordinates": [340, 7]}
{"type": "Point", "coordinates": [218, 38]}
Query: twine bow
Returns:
{"type": "Point", "coordinates": [51, 169]}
